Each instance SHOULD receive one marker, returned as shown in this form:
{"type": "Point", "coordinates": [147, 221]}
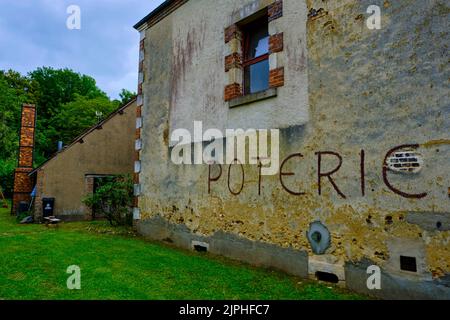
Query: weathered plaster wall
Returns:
{"type": "Point", "coordinates": [367, 90]}
{"type": "Point", "coordinates": [198, 77]}
{"type": "Point", "coordinates": [107, 151]}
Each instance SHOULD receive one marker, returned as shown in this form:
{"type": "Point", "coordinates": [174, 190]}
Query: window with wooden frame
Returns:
{"type": "Point", "coordinates": [255, 45]}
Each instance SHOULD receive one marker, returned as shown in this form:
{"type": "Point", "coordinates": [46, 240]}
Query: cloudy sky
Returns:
{"type": "Point", "coordinates": [33, 33]}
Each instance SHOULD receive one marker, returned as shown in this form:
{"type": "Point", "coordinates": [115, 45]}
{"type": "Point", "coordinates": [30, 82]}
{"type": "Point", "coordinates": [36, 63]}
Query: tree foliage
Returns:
{"type": "Point", "coordinates": [67, 104]}
{"type": "Point", "coordinates": [114, 198]}
{"type": "Point", "coordinates": [126, 96]}
{"type": "Point", "coordinates": [55, 89]}
{"type": "Point", "coordinates": [78, 115]}
{"type": "Point", "coordinates": [14, 91]}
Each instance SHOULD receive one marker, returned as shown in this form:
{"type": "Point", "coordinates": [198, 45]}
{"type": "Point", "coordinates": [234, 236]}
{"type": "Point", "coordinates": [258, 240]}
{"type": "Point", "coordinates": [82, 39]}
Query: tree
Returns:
{"type": "Point", "coordinates": [77, 116]}
{"type": "Point", "coordinates": [56, 88]}
{"type": "Point", "coordinates": [114, 198]}
{"type": "Point", "coordinates": [126, 96]}
{"type": "Point", "coordinates": [66, 104]}
{"type": "Point", "coordinates": [14, 91]}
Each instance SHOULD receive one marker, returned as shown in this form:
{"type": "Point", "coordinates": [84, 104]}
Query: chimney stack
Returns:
{"type": "Point", "coordinates": [23, 184]}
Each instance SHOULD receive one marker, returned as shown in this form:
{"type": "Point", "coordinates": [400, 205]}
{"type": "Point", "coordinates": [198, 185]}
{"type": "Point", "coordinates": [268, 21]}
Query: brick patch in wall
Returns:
{"type": "Point", "coordinates": [232, 91]}
{"type": "Point", "coordinates": [275, 10]}
{"type": "Point", "coordinates": [233, 60]}
{"type": "Point", "coordinates": [136, 156]}
{"type": "Point", "coordinates": [276, 43]}
{"type": "Point", "coordinates": [276, 78]}
{"type": "Point", "coordinates": [137, 134]}
{"type": "Point", "coordinates": [136, 178]}
{"type": "Point", "coordinates": [232, 32]}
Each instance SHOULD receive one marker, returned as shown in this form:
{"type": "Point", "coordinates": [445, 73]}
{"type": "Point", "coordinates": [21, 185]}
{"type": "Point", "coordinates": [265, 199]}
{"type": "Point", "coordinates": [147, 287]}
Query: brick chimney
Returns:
{"type": "Point", "coordinates": [23, 184]}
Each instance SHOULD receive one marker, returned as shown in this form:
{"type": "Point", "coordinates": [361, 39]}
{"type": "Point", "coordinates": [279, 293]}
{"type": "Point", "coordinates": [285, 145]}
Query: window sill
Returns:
{"type": "Point", "coordinates": [254, 97]}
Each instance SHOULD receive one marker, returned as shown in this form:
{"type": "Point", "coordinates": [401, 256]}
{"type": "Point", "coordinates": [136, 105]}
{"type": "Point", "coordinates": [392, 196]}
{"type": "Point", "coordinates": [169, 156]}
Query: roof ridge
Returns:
{"type": "Point", "coordinates": [162, 11]}
{"type": "Point", "coordinates": [85, 133]}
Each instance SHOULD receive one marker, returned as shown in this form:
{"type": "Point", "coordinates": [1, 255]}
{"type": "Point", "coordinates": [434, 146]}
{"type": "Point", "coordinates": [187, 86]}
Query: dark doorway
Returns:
{"type": "Point", "coordinates": [98, 182]}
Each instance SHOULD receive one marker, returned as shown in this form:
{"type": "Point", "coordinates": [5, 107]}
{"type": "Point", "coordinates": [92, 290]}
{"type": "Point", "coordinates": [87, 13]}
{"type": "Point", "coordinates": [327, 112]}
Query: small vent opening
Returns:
{"type": "Point", "coordinates": [407, 161]}
{"type": "Point", "coordinates": [327, 277]}
{"type": "Point", "coordinates": [408, 264]}
{"type": "Point", "coordinates": [200, 248]}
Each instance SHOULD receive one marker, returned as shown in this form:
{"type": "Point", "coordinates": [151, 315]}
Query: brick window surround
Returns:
{"type": "Point", "coordinates": [233, 62]}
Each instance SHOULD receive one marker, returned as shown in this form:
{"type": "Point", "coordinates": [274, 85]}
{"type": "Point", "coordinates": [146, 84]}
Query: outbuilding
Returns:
{"type": "Point", "coordinates": [73, 173]}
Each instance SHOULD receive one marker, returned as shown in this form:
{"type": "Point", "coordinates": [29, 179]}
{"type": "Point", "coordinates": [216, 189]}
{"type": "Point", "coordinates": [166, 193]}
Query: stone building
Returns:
{"type": "Point", "coordinates": [69, 176]}
{"type": "Point", "coordinates": [363, 117]}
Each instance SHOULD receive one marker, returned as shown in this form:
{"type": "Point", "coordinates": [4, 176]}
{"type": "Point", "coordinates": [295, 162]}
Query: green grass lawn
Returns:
{"type": "Point", "coordinates": [116, 264]}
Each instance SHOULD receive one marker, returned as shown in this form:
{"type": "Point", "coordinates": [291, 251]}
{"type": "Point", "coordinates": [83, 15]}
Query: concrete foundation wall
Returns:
{"type": "Point", "coordinates": [368, 91]}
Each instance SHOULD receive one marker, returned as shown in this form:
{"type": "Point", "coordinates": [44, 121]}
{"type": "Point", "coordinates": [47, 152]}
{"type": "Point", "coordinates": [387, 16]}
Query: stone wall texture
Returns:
{"type": "Point", "coordinates": [350, 96]}
{"type": "Point", "coordinates": [23, 184]}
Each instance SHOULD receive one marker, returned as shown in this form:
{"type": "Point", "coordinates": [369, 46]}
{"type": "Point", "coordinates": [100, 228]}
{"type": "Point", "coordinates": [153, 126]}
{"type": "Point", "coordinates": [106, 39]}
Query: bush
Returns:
{"type": "Point", "coordinates": [7, 176]}
{"type": "Point", "coordinates": [114, 198]}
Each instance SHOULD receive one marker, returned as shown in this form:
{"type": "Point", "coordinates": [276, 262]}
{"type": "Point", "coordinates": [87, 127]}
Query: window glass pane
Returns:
{"type": "Point", "coordinates": [257, 77]}
{"type": "Point", "coordinates": [262, 47]}
{"type": "Point", "coordinates": [259, 45]}
{"type": "Point", "coordinates": [258, 40]}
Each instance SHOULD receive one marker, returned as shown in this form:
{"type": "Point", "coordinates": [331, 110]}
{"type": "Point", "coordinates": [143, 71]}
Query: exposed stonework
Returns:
{"type": "Point", "coordinates": [23, 184]}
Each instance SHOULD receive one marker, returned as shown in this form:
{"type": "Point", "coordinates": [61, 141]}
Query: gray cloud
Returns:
{"type": "Point", "coordinates": [33, 34]}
